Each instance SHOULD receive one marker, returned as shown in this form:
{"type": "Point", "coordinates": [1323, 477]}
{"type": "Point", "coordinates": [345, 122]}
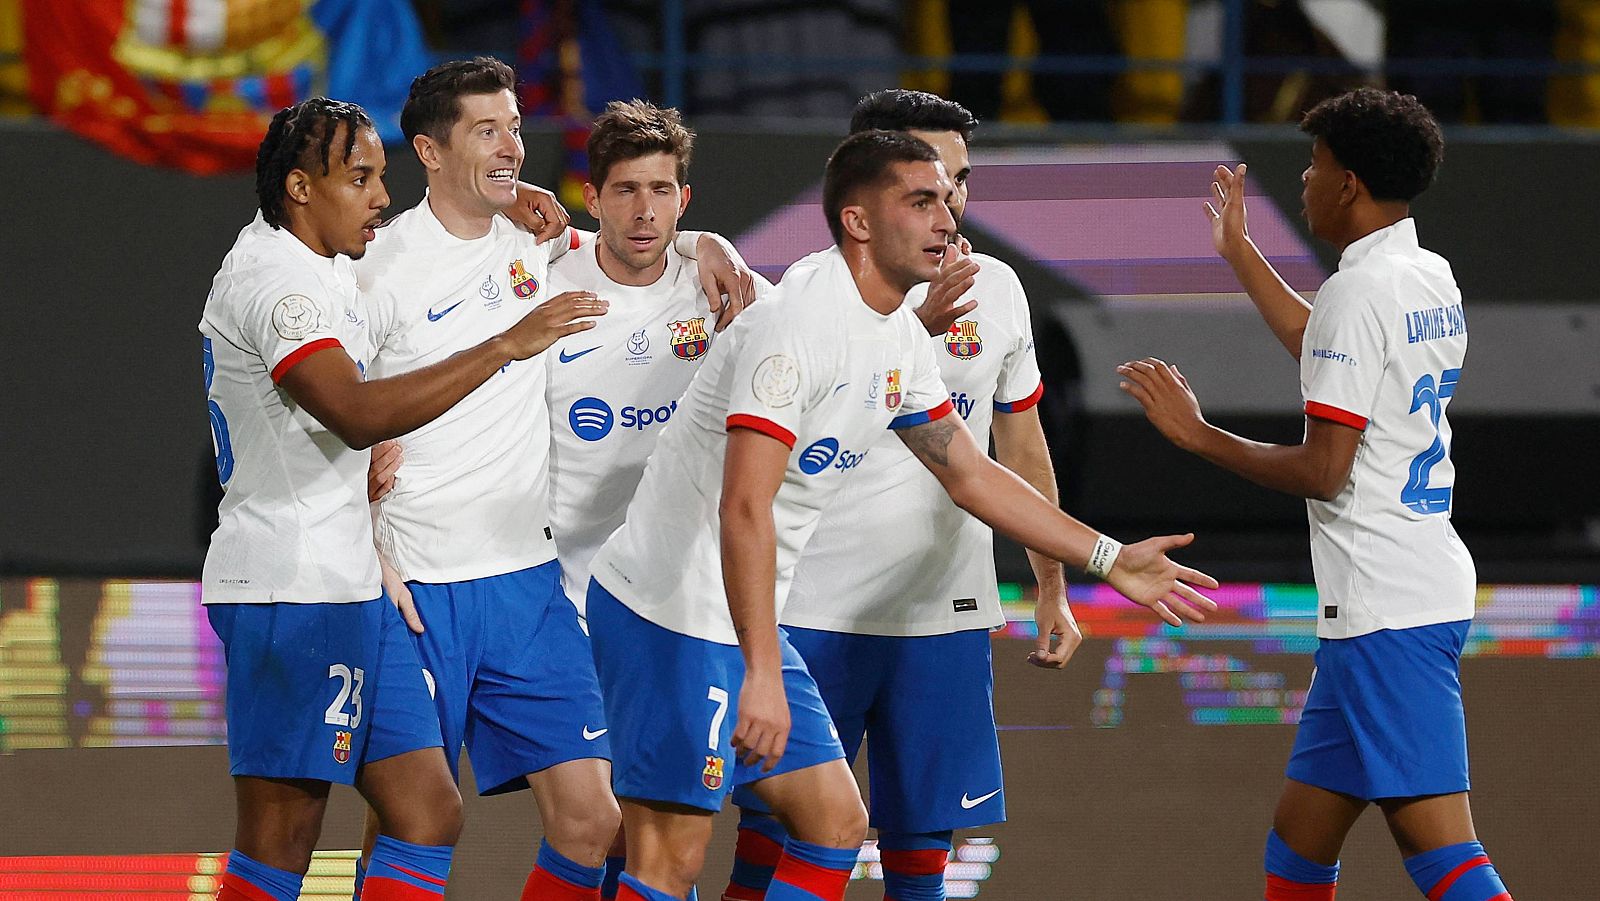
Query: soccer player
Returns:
{"type": "Point", "coordinates": [466, 530]}
{"type": "Point", "coordinates": [684, 597]}
{"type": "Point", "coordinates": [1380, 357]}
{"type": "Point", "coordinates": [900, 638]}
{"type": "Point", "coordinates": [323, 685]}
{"type": "Point", "coordinates": [611, 393]}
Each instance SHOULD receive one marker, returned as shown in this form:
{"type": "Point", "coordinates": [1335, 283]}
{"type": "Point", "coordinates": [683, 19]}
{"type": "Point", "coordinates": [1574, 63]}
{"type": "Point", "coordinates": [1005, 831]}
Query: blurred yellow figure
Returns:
{"type": "Point", "coordinates": [1575, 99]}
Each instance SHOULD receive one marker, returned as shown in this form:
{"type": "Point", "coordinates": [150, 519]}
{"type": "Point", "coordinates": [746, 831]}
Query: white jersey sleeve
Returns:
{"type": "Point", "coordinates": [777, 378]}
{"type": "Point", "coordinates": [923, 396]}
{"type": "Point", "coordinates": [1020, 385]}
{"type": "Point", "coordinates": [1345, 352]}
{"type": "Point", "coordinates": [286, 315]}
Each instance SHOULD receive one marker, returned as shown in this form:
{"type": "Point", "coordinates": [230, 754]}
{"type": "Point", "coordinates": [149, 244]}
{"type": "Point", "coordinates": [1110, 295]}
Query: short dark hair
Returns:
{"type": "Point", "coordinates": [863, 161]}
{"type": "Point", "coordinates": [630, 129]}
{"type": "Point", "coordinates": [901, 110]}
{"type": "Point", "coordinates": [301, 137]}
{"type": "Point", "coordinates": [434, 103]}
{"type": "Point", "coordinates": [1388, 139]}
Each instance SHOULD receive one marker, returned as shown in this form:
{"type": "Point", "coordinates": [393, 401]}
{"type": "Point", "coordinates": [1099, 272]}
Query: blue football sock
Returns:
{"type": "Point", "coordinates": [913, 865]}
{"type": "Point", "coordinates": [399, 869]}
{"type": "Point", "coordinates": [608, 883]}
{"type": "Point", "coordinates": [1457, 873]}
{"type": "Point", "coordinates": [280, 885]}
{"type": "Point", "coordinates": [810, 872]}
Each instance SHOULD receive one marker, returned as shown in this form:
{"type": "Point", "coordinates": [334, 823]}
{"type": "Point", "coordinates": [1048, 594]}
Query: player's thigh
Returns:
{"type": "Point", "coordinates": [933, 752]}
{"type": "Point", "coordinates": [669, 702]}
{"type": "Point", "coordinates": [1423, 824]}
{"type": "Point", "coordinates": [535, 700]}
{"type": "Point", "coordinates": [1314, 821]}
{"type": "Point", "coordinates": [302, 684]}
{"type": "Point", "coordinates": [576, 806]}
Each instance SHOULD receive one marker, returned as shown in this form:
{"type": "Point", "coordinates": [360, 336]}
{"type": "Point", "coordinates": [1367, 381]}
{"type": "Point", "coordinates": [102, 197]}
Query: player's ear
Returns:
{"type": "Point", "coordinates": [297, 186]}
{"type": "Point", "coordinates": [427, 151]}
{"type": "Point", "coordinates": [591, 199]}
{"type": "Point", "coordinates": [1351, 189]}
{"type": "Point", "coordinates": [683, 200]}
{"type": "Point", "coordinates": [854, 220]}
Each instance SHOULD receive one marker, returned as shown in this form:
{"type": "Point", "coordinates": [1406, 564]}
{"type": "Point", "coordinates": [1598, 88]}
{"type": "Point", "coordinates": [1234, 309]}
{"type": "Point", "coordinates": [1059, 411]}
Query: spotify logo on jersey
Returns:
{"type": "Point", "coordinates": [591, 418]}
{"type": "Point", "coordinates": [816, 458]}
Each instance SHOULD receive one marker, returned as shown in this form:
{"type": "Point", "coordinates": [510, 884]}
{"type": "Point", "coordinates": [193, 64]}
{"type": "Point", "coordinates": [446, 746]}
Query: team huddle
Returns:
{"type": "Point", "coordinates": [640, 530]}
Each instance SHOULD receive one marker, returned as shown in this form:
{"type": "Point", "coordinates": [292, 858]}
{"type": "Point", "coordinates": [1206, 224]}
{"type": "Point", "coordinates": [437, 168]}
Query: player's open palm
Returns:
{"type": "Point", "coordinates": [761, 732]}
{"type": "Point", "coordinates": [562, 315]}
{"type": "Point", "coordinates": [1145, 575]}
{"type": "Point", "coordinates": [1228, 229]}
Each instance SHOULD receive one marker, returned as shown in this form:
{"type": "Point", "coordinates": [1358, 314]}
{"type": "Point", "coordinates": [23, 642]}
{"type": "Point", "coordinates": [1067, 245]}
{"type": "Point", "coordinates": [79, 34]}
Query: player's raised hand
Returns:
{"type": "Point", "coordinates": [1145, 575]}
{"type": "Point", "coordinates": [1228, 231]}
{"type": "Point", "coordinates": [1168, 401]}
{"type": "Point", "coordinates": [761, 732]}
{"type": "Point", "coordinates": [386, 459]}
{"type": "Point", "coordinates": [562, 315]}
{"type": "Point", "coordinates": [957, 273]}
{"type": "Point", "coordinates": [539, 211]}
{"type": "Point", "coordinates": [1055, 620]}
{"type": "Point", "coordinates": [729, 284]}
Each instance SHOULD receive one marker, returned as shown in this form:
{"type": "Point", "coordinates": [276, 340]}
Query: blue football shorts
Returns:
{"type": "Point", "coordinates": [1384, 717]}
{"type": "Point", "coordinates": [672, 704]}
{"type": "Point", "coordinates": [317, 690]}
{"type": "Point", "coordinates": [511, 674]}
{"type": "Point", "coordinates": [927, 705]}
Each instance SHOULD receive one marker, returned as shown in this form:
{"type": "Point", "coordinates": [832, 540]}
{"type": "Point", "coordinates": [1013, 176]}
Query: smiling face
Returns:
{"type": "Point", "coordinates": [638, 207]}
{"type": "Point", "coordinates": [909, 222]}
{"type": "Point", "coordinates": [342, 207]}
{"type": "Point", "coordinates": [478, 165]}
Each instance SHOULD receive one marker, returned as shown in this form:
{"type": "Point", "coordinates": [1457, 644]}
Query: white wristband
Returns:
{"type": "Point", "coordinates": [1103, 557]}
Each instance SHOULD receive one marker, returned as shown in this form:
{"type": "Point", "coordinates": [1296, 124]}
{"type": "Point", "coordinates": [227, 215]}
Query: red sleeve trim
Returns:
{"type": "Point", "coordinates": [300, 353]}
{"type": "Point", "coordinates": [574, 240]}
{"type": "Point", "coordinates": [764, 426]}
{"type": "Point", "coordinates": [1017, 406]}
{"type": "Point", "coordinates": [1334, 414]}
{"type": "Point", "coordinates": [926, 416]}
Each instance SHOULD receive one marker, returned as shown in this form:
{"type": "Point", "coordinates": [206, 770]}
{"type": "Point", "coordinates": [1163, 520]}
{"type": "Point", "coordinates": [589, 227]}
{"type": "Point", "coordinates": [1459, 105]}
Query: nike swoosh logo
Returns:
{"type": "Point", "coordinates": [435, 317]}
{"type": "Point", "coordinates": [969, 803]}
{"type": "Point", "coordinates": [841, 387]}
{"type": "Point", "coordinates": [591, 736]}
{"type": "Point", "coordinates": [568, 358]}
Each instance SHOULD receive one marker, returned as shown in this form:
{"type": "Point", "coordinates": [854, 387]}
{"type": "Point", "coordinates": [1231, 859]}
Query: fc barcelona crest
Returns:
{"type": "Point", "coordinates": [711, 776]}
{"type": "Point", "coordinates": [962, 340]}
{"type": "Point", "coordinates": [891, 390]}
{"type": "Point", "coordinates": [689, 338]}
{"type": "Point", "coordinates": [341, 747]}
{"type": "Point", "coordinates": [523, 284]}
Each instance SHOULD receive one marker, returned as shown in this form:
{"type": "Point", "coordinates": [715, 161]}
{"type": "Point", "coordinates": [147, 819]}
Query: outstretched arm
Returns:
{"type": "Point", "coordinates": [994, 494]}
{"type": "Point", "coordinates": [1285, 311]}
{"type": "Point", "coordinates": [753, 469]}
{"type": "Point", "coordinates": [1317, 468]}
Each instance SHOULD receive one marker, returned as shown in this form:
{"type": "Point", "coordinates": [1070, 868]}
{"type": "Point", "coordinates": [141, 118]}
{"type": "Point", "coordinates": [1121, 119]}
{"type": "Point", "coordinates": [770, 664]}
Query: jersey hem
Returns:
{"type": "Point", "coordinates": [1335, 414]}
{"type": "Point", "coordinates": [764, 426]}
{"type": "Point", "coordinates": [209, 599]}
{"type": "Point", "coordinates": [467, 573]}
{"type": "Point", "coordinates": [628, 600]}
{"type": "Point", "coordinates": [299, 354]}
{"type": "Point", "coordinates": [1415, 621]}
{"type": "Point", "coordinates": [885, 630]}
{"type": "Point", "coordinates": [1017, 406]}
{"type": "Point", "coordinates": [926, 416]}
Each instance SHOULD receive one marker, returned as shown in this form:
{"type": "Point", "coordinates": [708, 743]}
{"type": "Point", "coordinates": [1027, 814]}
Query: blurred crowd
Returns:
{"type": "Point", "coordinates": [1158, 61]}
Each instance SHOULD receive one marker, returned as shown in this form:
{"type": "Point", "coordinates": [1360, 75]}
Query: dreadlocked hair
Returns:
{"type": "Point", "coordinates": [300, 137]}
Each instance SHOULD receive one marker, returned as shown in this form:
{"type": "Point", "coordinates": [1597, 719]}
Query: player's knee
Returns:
{"type": "Point", "coordinates": [838, 820]}
{"type": "Point", "coordinates": [591, 826]}
{"type": "Point", "coordinates": [433, 817]}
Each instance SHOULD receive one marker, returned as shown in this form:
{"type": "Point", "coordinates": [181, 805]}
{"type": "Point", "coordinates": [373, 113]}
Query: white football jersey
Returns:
{"type": "Point", "coordinates": [1383, 353]}
{"type": "Point", "coordinates": [931, 567]}
{"type": "Point", "coordinates": [611, 389]}
{"type": "Point", "coordinates": [812, 366]}
{"type": "Point", "coordinates": [471, 498]}
{"type": "Point", "coordinates": [293, 525]}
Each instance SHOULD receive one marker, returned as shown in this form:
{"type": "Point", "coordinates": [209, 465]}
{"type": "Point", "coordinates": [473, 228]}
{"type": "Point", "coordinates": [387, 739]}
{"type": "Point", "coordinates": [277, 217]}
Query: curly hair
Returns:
{"type": "Point", "coordinates": [434, 104]}
{"type": "Point", "coordinates": [862, 161]}
{"type": "Point", "coordinates": [635, 128]}
{"type": "Point", "coordinates": [900, 110]}
{"type": "Point", "coordinates": [1388, 139]}
{"type": "Point", "coordinates": [301, 137]}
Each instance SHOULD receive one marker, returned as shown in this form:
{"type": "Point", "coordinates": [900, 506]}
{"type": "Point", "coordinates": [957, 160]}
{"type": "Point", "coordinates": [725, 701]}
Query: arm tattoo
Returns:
{"type": "Point", "coordinates": [931, 440]}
